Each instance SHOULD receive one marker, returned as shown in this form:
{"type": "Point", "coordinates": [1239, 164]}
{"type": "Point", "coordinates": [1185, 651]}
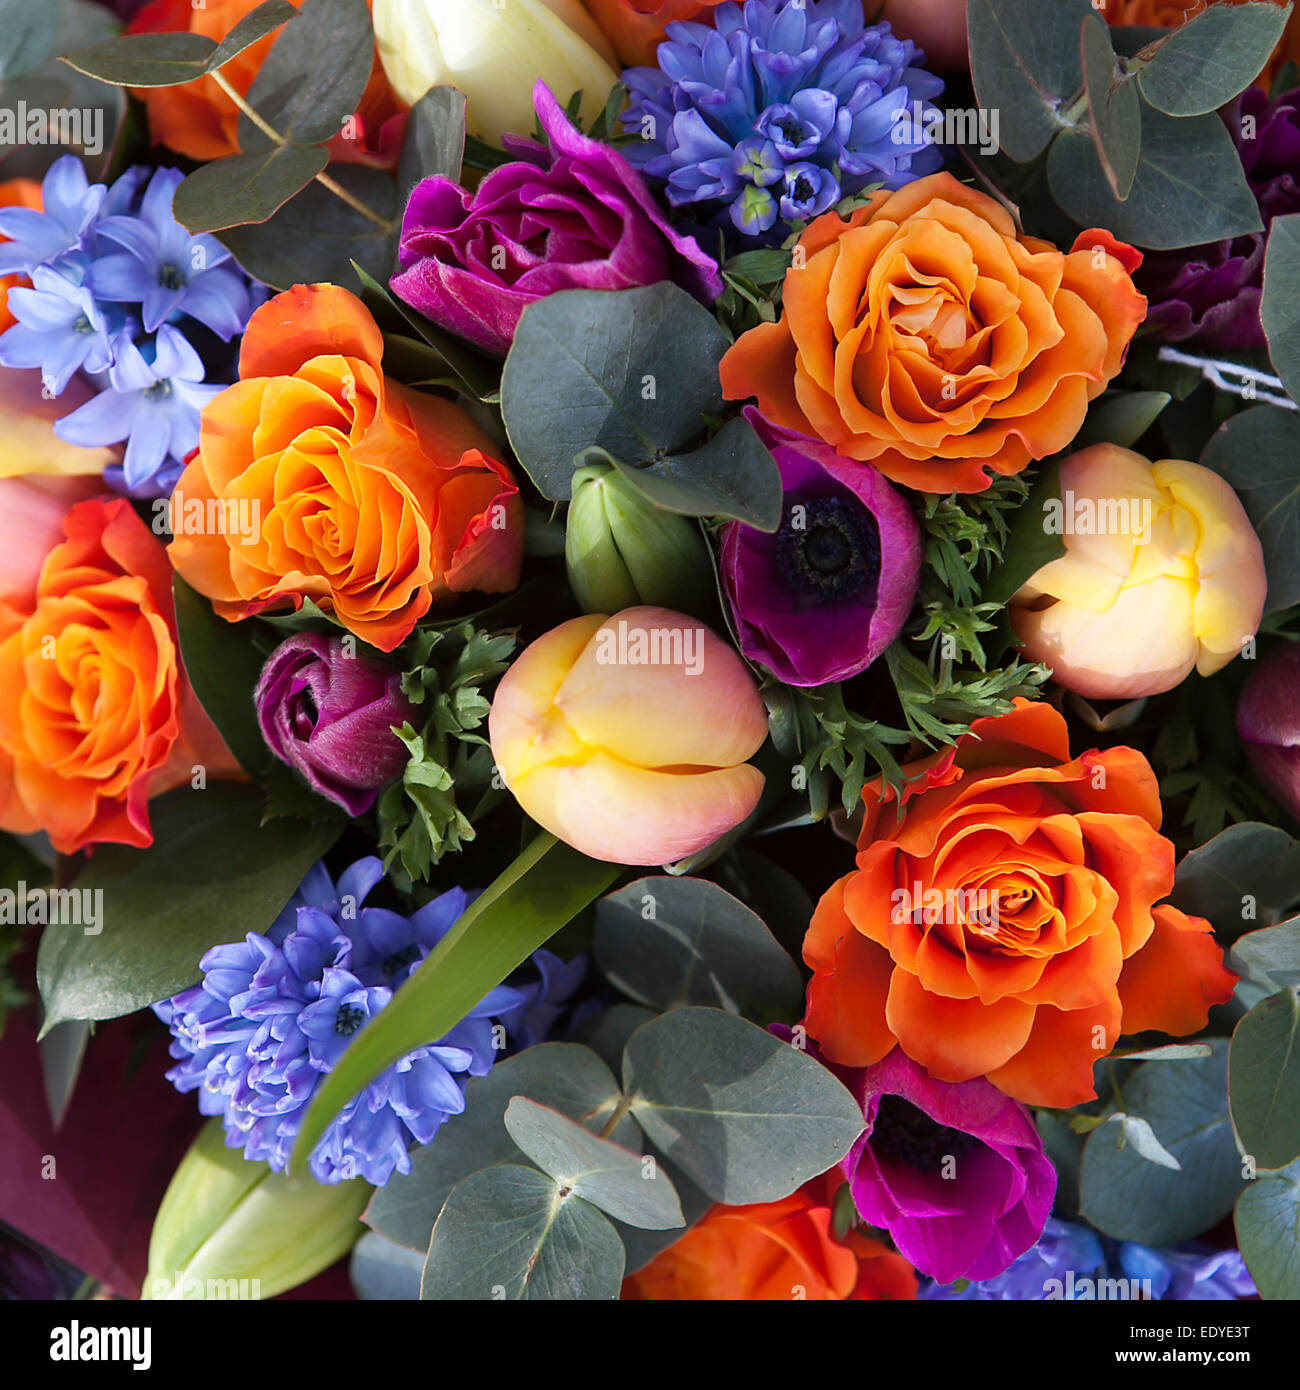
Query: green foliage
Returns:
{"type": "Point", "coordinates": [422, 816]}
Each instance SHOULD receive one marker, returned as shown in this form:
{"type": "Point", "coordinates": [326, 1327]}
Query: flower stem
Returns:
{"type": "Point", "coordinates": [322, 178]}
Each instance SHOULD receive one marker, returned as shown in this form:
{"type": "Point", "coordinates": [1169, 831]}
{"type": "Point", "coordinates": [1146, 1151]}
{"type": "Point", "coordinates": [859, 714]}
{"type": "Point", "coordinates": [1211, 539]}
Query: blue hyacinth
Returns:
{"type": "Point", "coordinates": [1071, 1261]}
{"type": "Point", "coordinates": [275, 1012]}
{"type": "Point", "coordinates": [779, 110]}
{"type": "Point", "coordinates": [118, 290]}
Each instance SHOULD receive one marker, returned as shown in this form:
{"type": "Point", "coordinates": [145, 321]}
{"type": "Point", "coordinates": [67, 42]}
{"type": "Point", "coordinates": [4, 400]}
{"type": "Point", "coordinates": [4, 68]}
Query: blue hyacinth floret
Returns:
{"type": "Point", "coordinates": [780, 109]}
{"type": "Point", "coordinates": [275, 1012]}
{"type": "Point", "coordinates": [118, 289]}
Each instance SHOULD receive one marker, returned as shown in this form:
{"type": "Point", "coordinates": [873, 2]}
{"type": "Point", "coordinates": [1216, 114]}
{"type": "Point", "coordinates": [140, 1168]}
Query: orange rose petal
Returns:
{"type": "Point", "coordinates": [761, 363]}
{"type": "Point", "coordinates": [304, 322]}
{"type": "Point", "coordinates": [954, 1039]}
{"type": "Point", "coordinates": [1054, 1068]}
{"type": "Point", "coordinates": [1169, 985]}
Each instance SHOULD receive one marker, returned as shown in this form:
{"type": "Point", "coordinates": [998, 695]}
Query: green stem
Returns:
{"type": "Point", "coordinates": [1075, 111]}
{"type": "Point", "coordinates": [322, 178]}
{"type": "Point", "coordinates": [616, 1119]}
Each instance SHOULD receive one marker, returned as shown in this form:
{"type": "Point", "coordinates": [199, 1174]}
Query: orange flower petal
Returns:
{"type": "Point", "coordinates": [1169, 985]}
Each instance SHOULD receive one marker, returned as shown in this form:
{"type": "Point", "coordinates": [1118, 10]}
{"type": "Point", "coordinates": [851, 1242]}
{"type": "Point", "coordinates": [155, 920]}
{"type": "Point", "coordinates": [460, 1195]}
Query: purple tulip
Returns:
{"type": "Point", "coordinates": [331, 715]}
{"type": "Point", "coordinates": [575, 217]}
{"type": "Point", "coordinates": [823, 596]}
{"type": "Point", "coordinates": [955, 1173]}
{"type": "Point", "coordinates": [1211, 293]}
{"type": "Point", "coordinates": [1268, 722]}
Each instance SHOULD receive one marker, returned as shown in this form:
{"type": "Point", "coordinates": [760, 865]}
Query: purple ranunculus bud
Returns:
{"type": "Point", "coordinates": [331, 715]}
{"type": "Point", "coordinates": [823, 596]}
{"type": "Point", "coordinates": [576, 216]}
{"type": "Point", "coordinates": [1210, 294]}
{"type": "Point", "coordinates": [1268, 723]}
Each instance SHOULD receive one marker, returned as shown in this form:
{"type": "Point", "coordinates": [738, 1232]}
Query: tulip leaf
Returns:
{"type": "Point", "coordinates": [733, 476]}
{"type": "Point", "coordinates": [313, 78]}
{"type": "Point", "coordinates": [63, 1049]}
{"type": "Point", "coordinates": [567, 1077]}
{"type": "Point", "coordinates": [1279, 309]}
{"type": "Point", "coordinates": [1269, 956]}
{"type": "Point", "coordinates": [1024, 58]}
{"type": "Point", "coordinates": [626, 1185]}
{"type": "Point", "coordinates": [1264, 1081]}
{"type": "Point", "coordinates": [668, 941]}
{"type": "Point", "coordinates": [1030, 545]}
{"type": "Point", "coordinates": [1255, 451]}
{"type": "Point", "coordinates": [1114, 111]}
{"type": "Point", "coordinates": [543, 889]}
{"type": "Point", "coordinates": [1268, 1233]}
{"type": "Point", "coordinates": [213, 873]}
{"type": "Point", "coordinates": [27, 36]}
{"type": "Point", "coordinates": [746, 1116]}
{"type": "Point", "coordinates": [168, 60]}
{"type": "Point", "coordinates": [435, 139]}
{"type": "Point", "coordinates": [1246, 876]}
{"type": "Point", "coordinates": [316, 236]}
{"type": "Point", "coordinates": [1206, 62]}
{"type": "Point", "coordinates": [632, 372]}
{"type": "Point", "coordinates": [1131, 1198]}
{"type": "Point", "coordinates": [510, 1233]}
{"type": "Point", "coordinates": [1189, 187]}
{"type": "Point", "coordinates": [245, 187]}
{"type": "Point", "coordinates": [1121, 417]}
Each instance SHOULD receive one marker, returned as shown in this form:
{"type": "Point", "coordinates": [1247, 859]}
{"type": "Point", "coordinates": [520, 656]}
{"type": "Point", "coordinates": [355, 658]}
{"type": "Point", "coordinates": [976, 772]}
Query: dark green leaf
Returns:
{"type": "Point", "coordinates": [1024, 58]}
{"type": "Point", "coordinates": [1268, 1233]}
{"type": "Point", "coordinates": [1269, 956]}
{"type": "Point", "coordinates": [1279, 309]}
{"type": "Point", "coordinates": [607, 1035]}
{"type": "Point", "coordinates": [1186, 1104]}
{"type": "Point", "coordinates": [1113, 107]}
{"type": "Point", "coordinates": [245, 187]}
{"type": "Point", "coordinates": [1264, 1081]}
{"type": "Point", "coordinates": [1245, 877]}
{"type": "Point", "coordinates": [62, 1050]}
{"type": "Point", "coordinates": [1029, 544]}
{"type": "Point", "coordinates": [632, 372]}
{"type": "Point", "coordinates": [316, 237]}
{"type": "Point", "coordinates": [1204, 63]}
{"type": "Point", "coordinates": [1189, 187]}
{"type": "Point", "coordinates": [145, 60]}
{"type": "Point", "coordinates": [1120, 417]}
{"type": "Point", "coordinates": [253, 28]}
{"type": "Point", "coordinates": [383, 1271]}
{"type": "Point", "coordinates": [507, 1233]}
{"type": "Point", "coordinates": [545, 887]}
{"type": "Point", "coordinates": [669, 941]}
{"type": "Point", "coordinates": [746, 1116]}
{"type": "Point", "coordinates": [313, 78]}
{"type": "Point", "coordinates": [626, 1185]}
{"type": "Point", "coordinates": [435, 139]}
{"type": "Point", "coordinates": [1255, 451]}
{"type": "Point", "coordinates": [213, 874]}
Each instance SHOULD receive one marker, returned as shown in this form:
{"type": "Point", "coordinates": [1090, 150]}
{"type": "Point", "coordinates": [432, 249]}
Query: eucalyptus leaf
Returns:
{"type": "Point", "coordinates": [313, 77]}
{"type": "Point", "coordinates": [1206, 62]}
{"type": "Point", "coordinates": [543, 889]}
{"type": "Point", "coordinates": [1114, 111]}
{"type": "Point", "coordinates": [435, 139]}
{"type": "Point", "coordinates": [213, 873]}
{"type": "Point", "coordinates": [1121, 417]}
{"type": "Point", "coordinates": [1130, 1198]}
{"type": "Point", "coordinates": [633, 372]}
{"type": "Point", "coordinates": [1245, 877]}
{"type": "Point", "coordinates": [27, 36]}
{"type": "Point", "coordinates": [669, 941]}
{"type": "Point", "coordinates": [565, 1076]}
{"type": "Point", "coordinates": [245, 187]}
{"type": "Point", "coordinates": [746, 1116]}
{"type": "Point", "coordinates": [1268, 1233]}
{"type": "Point", "coordinates": [1269, 956]}
{"type": "Point", "coordinates": [625, 1185]}
{"type": "Point", "coordinates": [380, 1270]}
{"type": "Point", "coordinates": [507, 1233]}
{"type": "Point", "coordinates": [1279, 309]}
{"type": "Point", "coordinates": [1264, 1081]}
{"type": "Point", "coordinates": [145, 60]}
{"type": "Point", "coordinates": [253, 28]}
{"type": "Point", "coordinates": [607, 1035]}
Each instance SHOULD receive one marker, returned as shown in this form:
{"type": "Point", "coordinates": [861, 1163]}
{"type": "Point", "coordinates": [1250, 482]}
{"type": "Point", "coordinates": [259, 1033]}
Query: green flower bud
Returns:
{"type": "Point", "coordinates": [228, 1228]}
{"type": "Point", "coordinates": [622, 550]}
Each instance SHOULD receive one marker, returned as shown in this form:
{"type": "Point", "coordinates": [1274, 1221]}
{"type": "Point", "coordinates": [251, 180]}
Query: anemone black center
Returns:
{"type": "Point", "coordinates": [905, 1133]}
{"type": "Point", "coordinates": [829, 549]}
{"type": "Point", "coordinates": [399, 960]}
{"type": "Point", "coordinates": [350, 1017]}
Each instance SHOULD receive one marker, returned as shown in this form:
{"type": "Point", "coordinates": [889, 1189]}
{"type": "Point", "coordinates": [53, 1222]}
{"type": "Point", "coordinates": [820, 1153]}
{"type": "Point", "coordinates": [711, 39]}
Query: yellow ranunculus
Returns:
{"type": "Point", "coordinates": [495, 53]}
{"type": "Point", "coordinates": [1162, 573]}
{"type": "Point", "coordinates": [628, 736]}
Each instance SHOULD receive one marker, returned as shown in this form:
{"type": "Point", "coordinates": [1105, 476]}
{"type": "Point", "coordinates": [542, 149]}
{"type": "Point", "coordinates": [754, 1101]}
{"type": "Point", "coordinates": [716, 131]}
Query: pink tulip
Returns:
{"type": "Point", "coordinates": [1162, 574]}
{"type": "Point", "coordinates": [627, 737]}
{"type": "Point", "coordinates": [31, 525]}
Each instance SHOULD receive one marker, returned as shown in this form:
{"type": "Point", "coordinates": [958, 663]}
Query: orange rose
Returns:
{"type": "Point", "coordinates": [926, 336]}
{"type": "Point", "coordinates": [200, 121]}
{"type": "Point", "coordinates": [368, 498]}
{"type": "Point", "coordinates": [95, 715]}
{"type": "Point", "coordinates": [15, 193]}
{"type": "Point", "coordinates": [770, 1252]}
{"type": "Point", "coordinates": [1006, 925]}
{"type": "Point", "coordinates": [636, 28]}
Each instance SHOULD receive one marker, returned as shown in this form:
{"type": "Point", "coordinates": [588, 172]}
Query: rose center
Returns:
{"type": "Point", "coordinates": [906, 1134]}
{"type": "Point", "coordinates": [828, 549]}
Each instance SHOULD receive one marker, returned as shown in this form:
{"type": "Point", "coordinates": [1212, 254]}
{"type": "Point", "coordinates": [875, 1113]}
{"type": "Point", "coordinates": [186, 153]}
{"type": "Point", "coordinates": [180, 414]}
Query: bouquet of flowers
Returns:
{"type": "Point", "coordinates": [650, 649]}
